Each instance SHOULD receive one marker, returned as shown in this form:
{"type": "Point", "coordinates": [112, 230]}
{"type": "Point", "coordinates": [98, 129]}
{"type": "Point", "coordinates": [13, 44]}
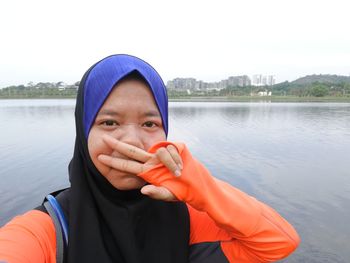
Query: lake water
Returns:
{"type": "Point", "coordinates": [293, 156]}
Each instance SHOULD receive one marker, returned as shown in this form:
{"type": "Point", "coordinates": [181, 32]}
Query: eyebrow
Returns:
{"type": "Point", "coordinates": [151, 113]}
{"type": "Point", "coordinates": [108, 112]}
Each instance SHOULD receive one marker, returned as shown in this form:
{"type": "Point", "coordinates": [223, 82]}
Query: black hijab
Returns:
{"type": "Point", "coordinates": [106, 224]}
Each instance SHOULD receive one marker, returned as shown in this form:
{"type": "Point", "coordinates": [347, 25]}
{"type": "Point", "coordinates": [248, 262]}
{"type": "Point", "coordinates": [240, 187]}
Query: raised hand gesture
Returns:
{"type": "Point", "coordinates": [140, 161]}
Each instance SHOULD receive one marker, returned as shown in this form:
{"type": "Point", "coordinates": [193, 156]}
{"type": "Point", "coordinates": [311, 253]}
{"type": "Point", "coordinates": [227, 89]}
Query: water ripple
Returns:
{"type": "Point", "coordinates": [293, 156]}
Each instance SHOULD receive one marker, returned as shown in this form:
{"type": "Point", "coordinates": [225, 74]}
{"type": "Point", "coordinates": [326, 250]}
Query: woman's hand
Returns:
{"type": "Point", "coordinates": [140, 161]}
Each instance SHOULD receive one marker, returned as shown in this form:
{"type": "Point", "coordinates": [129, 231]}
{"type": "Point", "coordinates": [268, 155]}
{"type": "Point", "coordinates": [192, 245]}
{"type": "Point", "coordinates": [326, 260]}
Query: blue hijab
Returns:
{"type": "Point", "coordinates": [107, 73]}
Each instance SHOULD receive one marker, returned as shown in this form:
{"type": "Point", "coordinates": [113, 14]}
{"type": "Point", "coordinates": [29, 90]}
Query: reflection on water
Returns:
{"type": "Point", "coordinates": [293, 156]}
{"type": "Point", "coordinates": [36, 144]}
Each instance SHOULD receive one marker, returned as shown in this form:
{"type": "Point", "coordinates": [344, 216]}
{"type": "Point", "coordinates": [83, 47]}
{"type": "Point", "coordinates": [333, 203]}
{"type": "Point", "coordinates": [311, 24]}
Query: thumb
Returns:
{"type": "Point", "coordinates": [158, 193]}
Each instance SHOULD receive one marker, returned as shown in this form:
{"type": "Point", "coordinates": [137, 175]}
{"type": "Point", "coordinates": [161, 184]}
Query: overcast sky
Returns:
{"type": "Point", "coordinates": [208, 40]}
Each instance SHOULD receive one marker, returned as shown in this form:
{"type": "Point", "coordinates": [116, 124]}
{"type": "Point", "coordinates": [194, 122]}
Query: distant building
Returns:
{"type": "Point", "coordinates": [264, 93]}
{"type": "Point", "coordinates": [261, 80]}
{"type": "Point", "coordinates": [271, 80]}
{"type": "Point", "coordinates": [193, 84]}
{"type": "Point", "coordinates": [239, 81]}
{"type": "Point", "coordinates": [256, 80]}
{"type": "Point", "coordinates": [182, 83]}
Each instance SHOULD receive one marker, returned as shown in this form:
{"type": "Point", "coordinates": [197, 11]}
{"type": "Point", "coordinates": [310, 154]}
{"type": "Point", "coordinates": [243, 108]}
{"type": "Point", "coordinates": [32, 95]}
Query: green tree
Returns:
{"type": "Point", "coordinates": [319, 90]}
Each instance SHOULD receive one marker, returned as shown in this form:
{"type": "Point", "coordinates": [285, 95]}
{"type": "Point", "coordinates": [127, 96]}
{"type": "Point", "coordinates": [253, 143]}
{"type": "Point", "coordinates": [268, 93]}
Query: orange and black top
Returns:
{"type": "Point", "coordinates": [226, 225]}
{"type": "Point", "coordinates": [211, 222]}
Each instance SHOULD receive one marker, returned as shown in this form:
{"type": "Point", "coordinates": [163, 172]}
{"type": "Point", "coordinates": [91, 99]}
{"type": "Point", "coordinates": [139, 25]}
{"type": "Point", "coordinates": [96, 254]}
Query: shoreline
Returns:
{"type": "Point", "coordinates": [261, 99]}
{"type": "Point", "coordinates": [219, 99]}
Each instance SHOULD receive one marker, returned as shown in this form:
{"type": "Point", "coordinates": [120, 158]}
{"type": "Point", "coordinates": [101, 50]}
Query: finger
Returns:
{"type": "Point", "coordinates": [158, 193]}
{"type": "Point", "coordinates": [175, 155]}
{"type": "Point", "coordinates": [129, 166]}
{"type": "Point", "coordinates": [128, 150]}
{"type": "Point", "coordinates": [164, 156]}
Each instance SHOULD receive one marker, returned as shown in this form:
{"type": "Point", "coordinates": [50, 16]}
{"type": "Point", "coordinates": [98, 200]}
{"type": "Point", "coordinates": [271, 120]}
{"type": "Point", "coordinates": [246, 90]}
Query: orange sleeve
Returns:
{"type": "Point", "coordinates": [28, 238]}
{"type": "Point", "coordinates": [249, 230]}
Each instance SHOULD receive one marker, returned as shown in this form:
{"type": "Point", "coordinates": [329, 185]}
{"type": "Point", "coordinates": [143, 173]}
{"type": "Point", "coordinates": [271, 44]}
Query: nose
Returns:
{"type": "Point", "coordinates": [130, 134]}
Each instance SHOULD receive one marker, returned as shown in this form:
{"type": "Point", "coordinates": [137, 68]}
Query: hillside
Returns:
{"type": "Point", "coordinates": [326, 79]}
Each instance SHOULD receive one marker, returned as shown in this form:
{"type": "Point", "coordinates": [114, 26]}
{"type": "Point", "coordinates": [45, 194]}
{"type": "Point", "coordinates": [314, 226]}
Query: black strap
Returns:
{"type": "Point", "coordinates": [58, 229]}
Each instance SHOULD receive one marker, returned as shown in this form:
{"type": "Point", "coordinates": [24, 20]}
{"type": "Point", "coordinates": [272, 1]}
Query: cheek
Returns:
{"type": "Point", "coordinates": [96, 146]}
{"type": "Point", "coordinates": [153, 139]}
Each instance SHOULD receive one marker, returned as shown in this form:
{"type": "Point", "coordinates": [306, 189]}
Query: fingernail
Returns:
{"type": "Point", "coordinates": [177, 173]}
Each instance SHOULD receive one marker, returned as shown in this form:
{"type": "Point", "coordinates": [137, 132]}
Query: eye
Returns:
{"type": "Point", "coordinates": [110, 123]}
{"type": "Point", "coordinates": [149, 124]}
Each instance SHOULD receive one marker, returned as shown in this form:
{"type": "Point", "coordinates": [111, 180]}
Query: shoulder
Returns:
{"type": "Point", "coordinates": [33, 220]}
{"type": "Point", "coordinates": [62, 197]}
{"type": "Point", "coordinates": [29, 236]}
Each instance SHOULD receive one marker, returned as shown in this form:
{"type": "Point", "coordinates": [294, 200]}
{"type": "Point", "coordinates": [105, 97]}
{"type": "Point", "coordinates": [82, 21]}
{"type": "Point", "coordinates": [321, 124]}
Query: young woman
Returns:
{"type": "Point", "coordinates": [134, 196]}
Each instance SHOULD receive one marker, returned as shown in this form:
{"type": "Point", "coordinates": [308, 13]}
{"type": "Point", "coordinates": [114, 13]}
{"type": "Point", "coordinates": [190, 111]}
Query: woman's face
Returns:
{"type": "Point", "coordinates": [130, 115]}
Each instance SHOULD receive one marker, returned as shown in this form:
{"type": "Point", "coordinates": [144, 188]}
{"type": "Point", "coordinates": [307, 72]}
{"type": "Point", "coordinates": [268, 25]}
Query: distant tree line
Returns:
{"type": "Point", "coordinates": [40, 90]}
{"type": "Point", "coordinates": [315, 89]}
{"type": "Point", "coordinates": [308, 86]}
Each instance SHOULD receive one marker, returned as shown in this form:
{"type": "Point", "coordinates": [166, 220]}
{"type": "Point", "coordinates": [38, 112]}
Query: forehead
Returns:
{"type": "Point", "coordinates": [130, 95]}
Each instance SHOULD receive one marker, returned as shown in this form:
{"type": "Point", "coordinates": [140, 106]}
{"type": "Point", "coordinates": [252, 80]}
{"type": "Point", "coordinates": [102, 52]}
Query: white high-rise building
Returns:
{"type": "Point", "coordinates": [263, 80]}
{"type": "Point", "coordinates": [271, 80]}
